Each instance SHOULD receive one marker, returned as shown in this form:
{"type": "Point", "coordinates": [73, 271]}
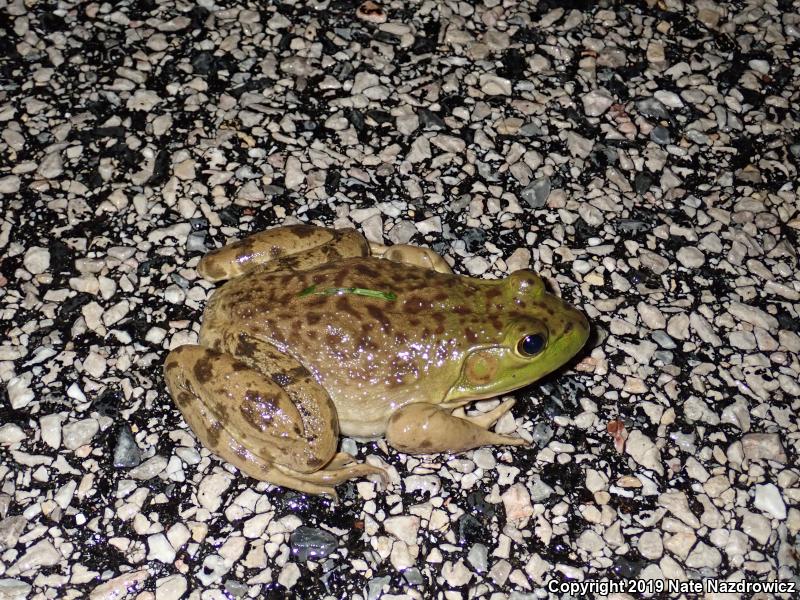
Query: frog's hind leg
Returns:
{"type": "Point", "coordinates": [293, 247]}
{"type": "Point", "coordinates": [423, 428]}
{"type": "Point", "coordinates": [411, 255]}
{"type": "Point", "coordinates": [275, 422]}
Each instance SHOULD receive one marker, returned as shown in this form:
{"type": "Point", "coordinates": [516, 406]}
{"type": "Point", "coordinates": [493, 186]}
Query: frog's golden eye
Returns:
{"type": "Point", "coordinates": [532, 344]}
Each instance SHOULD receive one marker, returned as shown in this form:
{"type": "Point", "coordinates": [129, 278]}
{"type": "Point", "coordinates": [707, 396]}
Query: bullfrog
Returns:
{"type": "Point", "coordinates": [318, 333]}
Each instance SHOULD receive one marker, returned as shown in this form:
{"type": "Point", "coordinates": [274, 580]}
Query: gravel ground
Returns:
{"type": "Point", "coordinates": [641, 156]}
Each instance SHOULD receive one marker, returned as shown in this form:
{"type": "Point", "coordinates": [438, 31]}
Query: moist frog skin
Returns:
{"type": "Point", "coordinates": [318, 333]}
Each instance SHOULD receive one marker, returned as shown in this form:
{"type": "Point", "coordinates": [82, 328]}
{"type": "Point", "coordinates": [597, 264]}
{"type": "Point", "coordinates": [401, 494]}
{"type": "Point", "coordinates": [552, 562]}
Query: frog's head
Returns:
{"type": "Point", "coordinates": [540, 332]}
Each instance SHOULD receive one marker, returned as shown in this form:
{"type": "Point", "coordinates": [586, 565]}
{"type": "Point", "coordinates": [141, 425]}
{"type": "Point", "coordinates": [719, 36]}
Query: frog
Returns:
{"type": "Point", "coordinates": [317, 333]}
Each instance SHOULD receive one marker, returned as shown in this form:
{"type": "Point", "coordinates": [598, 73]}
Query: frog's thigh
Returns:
{"type": "Point", "coordinates": [412, 255]}
{"type": "Point", "coordinates": [425, 428]}
{"type": "Point", "coordinates": [248, 419]}
{"type": "Point", "coordinates": [282, 248]}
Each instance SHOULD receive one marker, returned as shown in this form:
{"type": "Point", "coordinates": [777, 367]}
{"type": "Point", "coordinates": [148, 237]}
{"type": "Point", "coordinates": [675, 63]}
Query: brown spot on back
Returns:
{"type": "Point", "coordinates": [245, 347]}
{"type": "Point", "coordinates": [313, 318]}
{"type": "Point", "coordinates": [213, 433]}
{"type": "Point", "coordinates": [183, 399]}
{"type": "Point", "coordinates": [365, 343]}
{"type": "Point", "coordinates": [315, 463]}
{"type": "Point", "coordinates": [202, 369]}
{"type": "Point", "coordinates": [299, 372]}
{"type": "Point", "coordinates": [366, 270]}
{"type": "Point", "coordinates": [223, 412]}
{"type": "Point", "coordinates": [415, 304]}
{"type": "Point", "coordinates": [343, 304]}
{"type": "Point", "coordinates": [341, 276]}
{"type": "Point", "coordinates": [304, 231]}
{"type": "Point", "coordinates": [258, 409]}
{"type": "Point", "coordinates": [380, 316]}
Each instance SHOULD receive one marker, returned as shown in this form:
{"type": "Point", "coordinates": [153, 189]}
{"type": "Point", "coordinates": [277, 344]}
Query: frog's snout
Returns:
{"type": "Point", "coordinates": [566, 324]}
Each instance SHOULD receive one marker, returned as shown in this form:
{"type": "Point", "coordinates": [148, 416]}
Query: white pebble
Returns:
{"type": "Point", "coordinates": [79, 433]}
{"type": "Point", "coordinates": [403, 528]}
{"type": "Point", "coordinates": [211, 488]}
{"type": "Point", "coordinates": [51, 166]}
{"type": "Point", "coordinates": [768, 499]}
{"type": "Point", "coordinates": [642, 449]}
{"type": "Point", "coordinates": [690, 257]}
{"type": "Point", "coordinates": [517, 502]}
{"type": "Point", "coordinates": [492, 85]}
{"type": "Point", "coordinates": [149, 468]}
{"type": "Point", "coordinates": [11, 434]}
{"type": "Point", "coordinates": [19, 392]}
{"type": "Point", "coordinates": [37, 260]}
{"type": "Point", "coordinates": [289, 575]}
{"type": "Point", "coordinates": [41, 554]}
{"type": "Point", "coordinates": [294, 176]}
{"type": "Point", "coordinates": [172, 587]}
{"type": "Point", "coordinates": [160, 549]}
{"type": "Point", "coordinates": [9, 184]}
{"type": "Point", "coordinates": [596, 102]}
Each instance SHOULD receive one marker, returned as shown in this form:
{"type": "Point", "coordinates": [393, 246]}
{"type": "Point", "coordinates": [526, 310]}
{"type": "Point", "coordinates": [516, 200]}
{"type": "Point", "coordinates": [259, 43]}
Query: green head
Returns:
{"type": "Point", "coordinates": [540, 332]}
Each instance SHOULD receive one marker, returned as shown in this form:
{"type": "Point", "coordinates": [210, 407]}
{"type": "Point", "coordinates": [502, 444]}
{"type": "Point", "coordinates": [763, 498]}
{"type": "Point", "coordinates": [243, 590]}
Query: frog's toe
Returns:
{"type": "Point", "coordinates": [412, 255]}
{"type": "Point", "coordinates": [489, 418]}
{"type": "Point", "coordinates": [333, 474]}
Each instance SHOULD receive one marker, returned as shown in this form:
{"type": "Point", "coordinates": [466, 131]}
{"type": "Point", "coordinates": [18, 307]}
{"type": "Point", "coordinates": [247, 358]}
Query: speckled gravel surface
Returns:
{"type": "Point", "coordinates": [642, 156]}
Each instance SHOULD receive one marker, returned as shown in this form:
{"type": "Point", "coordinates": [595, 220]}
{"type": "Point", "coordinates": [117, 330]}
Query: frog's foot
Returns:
{"type": "Point", "coordinates": [278, 426]}
{"type": "Point", "coordinates": [294, 247]}
{"type": "Point", "coordinates": [411, 255]}
{"type": "Point", "coordinates": [489, 418]}
{"type": "Point", "coordinates": [342, 469]}
{"type": "Point", "coordinates": [426, 428]}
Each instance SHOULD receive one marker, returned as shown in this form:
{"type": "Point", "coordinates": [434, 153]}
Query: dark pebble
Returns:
{"type": "Point", "coordinates": [199, 223]}
{"type": "Point", "coordinates": [430, 120]}
{"type": "Point", "coordinates": [660, 135]}
{"type": "Point", "coordinates": [196, 242]}
{"type": "Point", "coordinates": [630, 226]}
{"type": "Point", "coordinates": [625, 568]}
{"type": "Point", "coordinates": [470, 529]}
{"type": "Point", "coordinates": [474, 239]}
{"type": "Point", "coordinates": [537, 192]}
{"type": "Point", "coordinates": [107, 404]}
{"type": "Point", "coordinates": [203, 63]}
{"type": "Point", "coordinates": [477, 501]}
{"type": "Point", "coordinates": [312, 543]}
{"type": "Point", "coordinates": [642, 182]}
{"type": "Point", "coordinates": [126, 453]}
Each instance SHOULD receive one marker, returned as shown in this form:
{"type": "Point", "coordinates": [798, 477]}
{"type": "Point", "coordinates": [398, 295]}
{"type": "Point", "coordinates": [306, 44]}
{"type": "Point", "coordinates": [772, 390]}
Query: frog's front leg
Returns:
{"type": "Point", "coordinates": [278, 426]}
{"type": "Point", "coordinates": [411, 255]}
{"type": "Point", "coordinates": [293, 247]}
{"type": "Point", "coordinates": [423, 428]}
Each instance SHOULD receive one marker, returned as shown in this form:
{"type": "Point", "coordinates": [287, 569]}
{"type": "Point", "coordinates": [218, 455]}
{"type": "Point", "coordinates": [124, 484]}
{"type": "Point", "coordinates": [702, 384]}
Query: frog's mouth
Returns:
{"type": "Point", "coordinates": [494, 370]}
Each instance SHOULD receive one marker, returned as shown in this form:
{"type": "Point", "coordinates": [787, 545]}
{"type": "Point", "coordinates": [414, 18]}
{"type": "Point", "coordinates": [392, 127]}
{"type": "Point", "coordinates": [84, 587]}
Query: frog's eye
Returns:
{"type": "Point", "coordinates": [532, 344]}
